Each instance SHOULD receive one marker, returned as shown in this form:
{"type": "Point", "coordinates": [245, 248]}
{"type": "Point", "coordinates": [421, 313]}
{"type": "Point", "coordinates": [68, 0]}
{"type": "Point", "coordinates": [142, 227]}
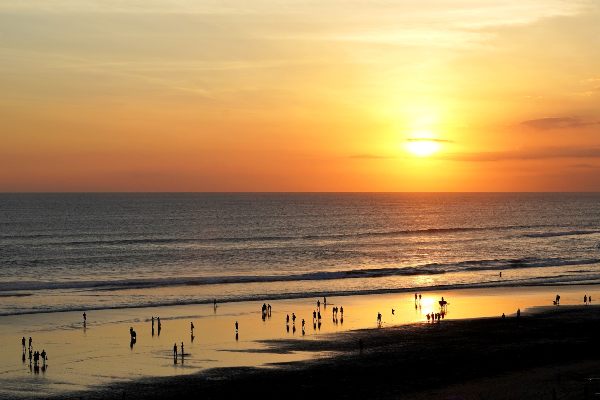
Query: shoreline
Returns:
{"type": "Point", "coordinates": [301, 296]}
{"type": "Point", "coordinates": [553, 350]}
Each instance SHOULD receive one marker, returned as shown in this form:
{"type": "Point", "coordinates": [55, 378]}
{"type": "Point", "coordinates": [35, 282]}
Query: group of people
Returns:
{"type": "Point", "coordinates": [34, 356]}
{"type": "Point", "coordinates": [266, 311]}
{"type": "Point", "coordinates": [158, 324]}
{"type": "Point", "coordinates": [435, 316]}
{"type": "Point", "coordinates": [587, 299]}
{"type": "Point", "coordinates": [175, 353]}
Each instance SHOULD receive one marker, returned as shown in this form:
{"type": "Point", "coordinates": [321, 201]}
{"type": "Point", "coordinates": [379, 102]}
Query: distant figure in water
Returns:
{"type": "Point", "coordinates": [500, 274]}
{"type": "Point", "coordinates": [152, 322]}
{"type": "Point", "coordinates": [23, 343]}
{"type": "Point", "coordinates": [215, 303]}
{"type": "Point", "coordinates": [585, 299]}
{"type": "Point", "coordinates": [318, 304]}
{"type": "Point", "coordinates": [236, 327]}
{"type": "Point", "coordinates": [518, 312]}
{"type": "Point", "coordinates": [427, 317]}
{"type": "Point", "coordinates": [416, 295]}
{"type": "Point", "coordinates": [293, 318]}
{"type": "Point", "coordinates": [158, 322]}
{"type": "Point", "coordinates": [43, 357]}
{"type": "Point", "coordinates": [342, 311]}
{"type": "Point", "coordinates": [192, 328]}
{"type": "Point", "coordinates": [393, 311]}
{"type": "Point", "coordinates": [174, 350]}
{"type": "Point", "coordinates": [419, 297]}
{"type": "Point", "coordinates": [379, 319]}
{"type": "Point", "coordinates": [182, 352]}
{"type": "Point", "coordinates": [324, 301]}
{"type": "Point", "coordinates": [84, 318]}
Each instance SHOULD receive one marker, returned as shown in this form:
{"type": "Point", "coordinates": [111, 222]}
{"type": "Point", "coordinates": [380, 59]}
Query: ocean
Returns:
{"type": "Point", "coordinates": [68, 252]}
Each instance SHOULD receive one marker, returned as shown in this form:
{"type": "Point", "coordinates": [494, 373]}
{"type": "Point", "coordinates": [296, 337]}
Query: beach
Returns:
{"type": "Point", "coordinates": [89, 360]}
{"type": "Point", "coordinates": [550, 354]}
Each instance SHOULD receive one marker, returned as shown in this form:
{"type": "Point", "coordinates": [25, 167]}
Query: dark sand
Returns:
{"type": "Point", "coordinates": [546, 355]}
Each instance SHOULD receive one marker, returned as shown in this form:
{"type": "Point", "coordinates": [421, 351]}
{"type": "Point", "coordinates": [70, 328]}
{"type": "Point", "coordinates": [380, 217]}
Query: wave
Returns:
{"type": "Point", "coordinates": [425, 269]}
{"type": "Point", "coordinates": [242, 239]}
{"type": "Point", "coordinates": [558, 280]}
{"type": "Point", "coordinates": [563, 233]}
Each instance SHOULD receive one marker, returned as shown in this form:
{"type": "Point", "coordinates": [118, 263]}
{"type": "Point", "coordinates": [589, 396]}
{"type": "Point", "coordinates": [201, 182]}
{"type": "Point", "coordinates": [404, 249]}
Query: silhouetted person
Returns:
{"type": "Point", "coordinates": [152, 322]}
{"type": "Point", "coordinates": [590, 299]}
{"type": "Point", "coordinates": [419, 297]}
{"type": "Point", "coordinates": [416, 295]}
{"type": "Point", "coordinates": [30, 341]}
{"type": "Point", "coordinates": [518, 312]}
{"type": "Point", "coordinates": [324, 301]}
{"type": "Point", "coordinates": [84, 318]}
{"type": "Point", "coordinates": [585, 299]}
{"type": "Point", "coordinates": [174, 349]}
{"type": "Point", "coordinates": [293, 318]}
{"type": "Point", "coordinates": [379, 319]}
{"type": "Point", "coordinates": [215, 303]}
{"type": "Point", "coordinates": [393, 311]}
{"type": "Point", "coordinates": [192, 328]}
{"type": "Point", "coordinates": [236, 327]}
{"type": "Point", "coordinates": [182, 352]}
{"type": "Point", "coordinates": [557, 299]}
{"type": "Point", "coordinates": [43, 354]}
{"type": "Point", "coordinates": [342, 311]}
{"type": "Point", "coordinates": [23, 343]}
{"type": "Point", "coordinates": [318, 304]}
{"type": "Point", "coordinates": [503, 316]}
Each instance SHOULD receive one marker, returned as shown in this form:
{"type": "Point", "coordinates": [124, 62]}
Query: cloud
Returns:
{"type": "Point", "coordinates": [429, 140]}
{"type": "Point", "coordinates": [525, 155]}
{"type": "Point", "coordinates": [558, 123]}
{"type": "Point", "coordinates": [369, 157]}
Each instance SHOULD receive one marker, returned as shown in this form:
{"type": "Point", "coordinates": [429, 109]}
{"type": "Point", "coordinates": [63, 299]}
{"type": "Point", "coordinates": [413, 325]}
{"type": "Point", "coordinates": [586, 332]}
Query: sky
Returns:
{"type": "Point", "coordinates": [327, 95]}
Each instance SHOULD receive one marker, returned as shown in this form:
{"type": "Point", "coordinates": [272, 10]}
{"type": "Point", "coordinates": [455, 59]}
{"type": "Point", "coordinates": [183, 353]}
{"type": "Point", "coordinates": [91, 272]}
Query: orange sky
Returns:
{"type": "Point", "coordinates": [231, 95]}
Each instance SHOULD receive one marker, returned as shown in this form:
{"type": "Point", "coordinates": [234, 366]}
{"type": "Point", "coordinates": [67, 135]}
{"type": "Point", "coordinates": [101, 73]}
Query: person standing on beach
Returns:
{"type": "Point", "coordinates": [324, 301]}
{"type": "Point", "coordinates": [192, 327]}
{"type": "Point", "coordinates": [585, 299]}
{"type": "Point", "coordinates": [518, 312]}
{"type": "Point", "coordinates": [43, 357]}
{"type": "Point", "coordinates": [23, 343]}
{"type": "Point", "coordinates": [590, 299]}
{"type": "Point", "coordinates": [174, 350]}
{"type": "Point", "coordinates": [182, 352]}
{"type": "Point", "coordinates": [342, 311]}
{"type": "Point", "coordinates": [318, 304]}
{"type": "Point", "coordinates": [30, 340]}
{"type": "Point", "coordinates": [236, 327]}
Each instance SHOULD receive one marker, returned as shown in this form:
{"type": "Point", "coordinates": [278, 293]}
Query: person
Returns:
{"type": "Point", "coordinates": [503, 316]}
{"type": "Point", "coordinates": [287, 319]}
{"type": "Point", "coordinates": [416, 295]}
{"type": "Point", "coordinates": [23, 343]}
{"type": "Point", "coordinates": [236, 327]}
{"type": "Point", "coordinates": [182, 352]}
{"type": "Point", "coordinates": [319, 315]}
{"type": "Point", "coordinates": [500, 274]}
{"type": "Point", "coordinates": [192, 327]}
{"type": "Point", "coordinates": [158, 323]}
{"type": "Point", "coordinates": [318, 304]}
{"type": "Point", "coordinates": [379, 318]}
{"type": "Point", "coordinates": [518, 312]}
{"type": "Point", "coordinates": [293, 318]}
{"type": "Point", "coordinates": [427, 317]}
{"type": "Point", "coordinates": [30, 340]}
{"type": "Point", "coordinates": [585, 299]}
{"type": "Point", "coordinates": [393, 311]}
{"type": "Point", "coordinates": [324, 301]}
{"type": "Point", "coordinates": [84, 317]}
{"type": "Point", "coordinates": [153, 322]}
{"type": "Point", "coordinates": [43, 356]}
{"type": "Point", "coordinates": [215, 303]}
{"type": "Point", "coordinates": [302, 323]}
{"type": "Point", "coordinates": [342, 311]}
{"type": "Point", "coordinates": [174, 350]}
{"type": "Point", "coordinates": [557, 299]}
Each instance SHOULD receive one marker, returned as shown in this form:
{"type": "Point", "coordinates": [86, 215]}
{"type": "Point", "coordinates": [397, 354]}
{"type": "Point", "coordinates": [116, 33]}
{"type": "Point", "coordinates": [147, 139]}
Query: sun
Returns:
{"type": "Point", "coordinates": [422, 147]}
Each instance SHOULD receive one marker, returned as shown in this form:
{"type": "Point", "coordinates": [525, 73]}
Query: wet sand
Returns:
{"type": "Point", "coordinates": [545, 355]}
{"type": "Point", "coordinates": [407, 354]}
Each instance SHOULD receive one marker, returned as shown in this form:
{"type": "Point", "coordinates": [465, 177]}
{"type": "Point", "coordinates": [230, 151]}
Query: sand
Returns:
{"type": "Point", "coordinates": [406, 356]}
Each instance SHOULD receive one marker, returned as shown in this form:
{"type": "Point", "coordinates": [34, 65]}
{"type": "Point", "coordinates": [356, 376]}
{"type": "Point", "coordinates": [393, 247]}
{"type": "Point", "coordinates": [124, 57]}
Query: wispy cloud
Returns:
{"type": "Point", "coordinates": [429, 140]}
{"type": "Point", "coordinates": [558, 123]}
{"type": "Point", "coordinates": [370, 156]}
{"type": "Point", "coordinates": [524, 155]}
